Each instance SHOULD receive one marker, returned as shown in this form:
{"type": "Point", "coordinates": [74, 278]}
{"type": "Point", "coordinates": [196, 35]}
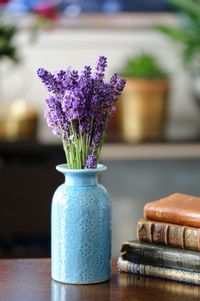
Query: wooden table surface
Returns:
{"type": "Point", "coordinates": [29, 280]}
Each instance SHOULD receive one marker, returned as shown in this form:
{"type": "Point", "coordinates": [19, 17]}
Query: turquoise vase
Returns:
{"type": "Point", "coordinates": [81, 228]}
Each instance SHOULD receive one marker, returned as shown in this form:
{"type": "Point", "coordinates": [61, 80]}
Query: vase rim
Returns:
{"type": "Point", "coordinates": [63, 168]}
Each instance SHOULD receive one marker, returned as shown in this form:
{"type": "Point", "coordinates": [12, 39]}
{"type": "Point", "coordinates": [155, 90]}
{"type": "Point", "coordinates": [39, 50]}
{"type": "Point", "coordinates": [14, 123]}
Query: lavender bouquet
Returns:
{"type": "Point", "coordinates": [79, 108]}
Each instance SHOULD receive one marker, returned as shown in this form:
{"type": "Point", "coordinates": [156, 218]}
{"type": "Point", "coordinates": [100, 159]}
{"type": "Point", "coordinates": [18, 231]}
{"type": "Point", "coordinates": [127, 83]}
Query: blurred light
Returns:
{"type": "Point", "coordinates": [18, 7]}
{"type": "Point", "coordinates": [72, 10]}
{"type": "Point", "coordinates": [111, 6]}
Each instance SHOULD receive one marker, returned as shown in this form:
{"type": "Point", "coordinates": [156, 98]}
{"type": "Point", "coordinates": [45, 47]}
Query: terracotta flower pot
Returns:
{"type": "Point", "coordinates": [144, 109]}
{"type": "Point", "coordinates": [114, 130]}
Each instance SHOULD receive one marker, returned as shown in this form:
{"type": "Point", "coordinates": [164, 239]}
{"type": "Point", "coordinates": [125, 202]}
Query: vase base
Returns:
{"type": "Point", "coordinates": [81, 283]}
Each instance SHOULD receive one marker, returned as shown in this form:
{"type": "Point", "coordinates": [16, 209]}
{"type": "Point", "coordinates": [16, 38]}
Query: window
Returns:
{"type": "Point", "coordinates": [90, 6]}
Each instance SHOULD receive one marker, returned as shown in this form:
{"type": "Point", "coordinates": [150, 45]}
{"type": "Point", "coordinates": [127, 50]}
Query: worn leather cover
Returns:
{"type": "Point", "coordinates": [159, 272]}
{"type": "Point", "coordinates": [172, 235]}
{"type": "Point", "coordinates": [150, 254]}
{"type": "Point", "coordinates": [176, 208]}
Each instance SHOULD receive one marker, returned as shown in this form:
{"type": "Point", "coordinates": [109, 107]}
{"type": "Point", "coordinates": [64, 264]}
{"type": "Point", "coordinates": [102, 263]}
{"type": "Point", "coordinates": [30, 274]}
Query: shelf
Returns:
{"type": "Point", "coordinates": [117, 21]}
{"type": "Point", "coordinates": [39, 152]}
{"type": "Point", "coordinates": [96, 21]}
{"type": "Point", "coordinates": [120, 151]}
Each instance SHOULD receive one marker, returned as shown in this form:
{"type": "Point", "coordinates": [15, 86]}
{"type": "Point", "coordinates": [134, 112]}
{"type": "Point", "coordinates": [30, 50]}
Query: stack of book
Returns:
{"type": "Point", "coordinates": [168, 244]}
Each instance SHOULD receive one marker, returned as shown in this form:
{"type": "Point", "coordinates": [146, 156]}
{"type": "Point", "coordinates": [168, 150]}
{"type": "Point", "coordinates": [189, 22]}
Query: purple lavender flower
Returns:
{"type": "Point", "coordinates": [101, 67]}
{"type": "Point", "coordinates": [79, 108]}
{"type": "Point", "coordinates": [48, 80]}
{"type": "Point", "coordinates": [113, 80]}
{"type": "Point", "coordinates": [86, 73]}
{"type": "Point", "coordinates": [120, 86]}
{"type": "Point", "coordinates": [91, 162]}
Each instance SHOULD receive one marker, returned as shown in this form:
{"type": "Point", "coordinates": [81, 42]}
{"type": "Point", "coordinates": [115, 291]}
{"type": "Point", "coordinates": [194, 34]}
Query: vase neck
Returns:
{"type": "Point", "coordinates": [80, 177]}
{"type": "Point", "coordinates": [88, 179]}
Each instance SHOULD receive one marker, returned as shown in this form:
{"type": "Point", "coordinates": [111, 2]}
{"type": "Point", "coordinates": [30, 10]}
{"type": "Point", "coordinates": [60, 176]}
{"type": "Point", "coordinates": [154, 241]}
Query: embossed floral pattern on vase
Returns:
{"type": "Point", "coordinates": [81, 230]}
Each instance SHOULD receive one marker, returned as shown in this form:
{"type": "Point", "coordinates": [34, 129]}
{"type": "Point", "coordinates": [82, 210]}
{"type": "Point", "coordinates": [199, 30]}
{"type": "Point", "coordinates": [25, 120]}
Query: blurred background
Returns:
{"type": "Point", "coordinates": [153, 142]}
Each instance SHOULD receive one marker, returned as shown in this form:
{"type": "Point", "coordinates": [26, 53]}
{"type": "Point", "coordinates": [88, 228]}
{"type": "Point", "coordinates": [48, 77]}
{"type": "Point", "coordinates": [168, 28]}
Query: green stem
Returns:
{"type": "Point", "coordinates": [77, 150]}
{"type": "Point", "coordinates": [82, 146]}
{"type": "Point", "coordinates": [66, 153]}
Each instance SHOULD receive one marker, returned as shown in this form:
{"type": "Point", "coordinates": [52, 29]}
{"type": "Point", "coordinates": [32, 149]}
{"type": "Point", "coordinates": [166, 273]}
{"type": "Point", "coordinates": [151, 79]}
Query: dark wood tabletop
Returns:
{"type": "Point", "coordinates": [29, 280]}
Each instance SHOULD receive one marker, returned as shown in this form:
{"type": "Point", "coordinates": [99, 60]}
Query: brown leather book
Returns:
{"type": "Point", "coordinates": [171, 235]}
{"type": "Point", "coordinates": [177, 208]}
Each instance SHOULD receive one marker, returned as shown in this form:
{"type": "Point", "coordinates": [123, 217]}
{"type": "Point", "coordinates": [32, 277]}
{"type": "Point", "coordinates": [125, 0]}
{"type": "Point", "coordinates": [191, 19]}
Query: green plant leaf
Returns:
{"type": "Point", "coordinates": [143, 66]}
{"type": "Point", "coordinates": [174, 33]}
{"type": "Point", "coordinates": [187, 32]}
{"type": "Point", "coordinates": [7, 47]}
{"type": "Point", "coordinates": [189, 7]}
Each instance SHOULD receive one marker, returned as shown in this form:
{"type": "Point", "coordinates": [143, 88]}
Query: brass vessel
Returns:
{"type": "Point", "coordinates": [144, 110]}
{"type": "Point", "coordinates": [20, 122]}
{"type": "Point", "coordinates": [2, 128]}
{"type": "Point", "coordinates": [114, 130]}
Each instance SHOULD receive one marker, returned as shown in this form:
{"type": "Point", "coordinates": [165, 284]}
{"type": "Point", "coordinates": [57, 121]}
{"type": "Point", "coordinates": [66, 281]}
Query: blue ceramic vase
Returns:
{"type": "Point", "coordinates": [81, 228]}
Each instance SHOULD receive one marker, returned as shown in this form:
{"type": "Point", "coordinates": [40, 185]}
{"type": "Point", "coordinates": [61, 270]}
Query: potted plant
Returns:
{"type": "Point", "coordinates": [7, 50]}
{"type": "Point", "coordinates": [187, 33]}
{"type": "Point", "coordinates": [144, 102]}
{"type": "Point", "coordinates": [7, 47]}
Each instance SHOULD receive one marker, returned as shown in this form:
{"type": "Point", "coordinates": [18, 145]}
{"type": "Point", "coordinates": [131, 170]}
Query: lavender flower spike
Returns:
{"type": "Point", "coordinates": [91, 162]}
{"type": "Point", "coordinates": [100, 67]}
{"type": "Point", "coordinates": [48, 80]}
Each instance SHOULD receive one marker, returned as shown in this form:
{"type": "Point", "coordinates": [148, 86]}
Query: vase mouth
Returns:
{"type": "Point", "coordinates": [64, 168]}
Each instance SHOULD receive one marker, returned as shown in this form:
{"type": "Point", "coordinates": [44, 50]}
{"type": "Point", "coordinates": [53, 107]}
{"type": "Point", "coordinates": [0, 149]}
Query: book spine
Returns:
{"type": "Point", "coordinates": [159, 272]}
{"type": "Point", "coordinates": [172, 235]}
{"type": "Point", "coordinates": [150, 254]}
